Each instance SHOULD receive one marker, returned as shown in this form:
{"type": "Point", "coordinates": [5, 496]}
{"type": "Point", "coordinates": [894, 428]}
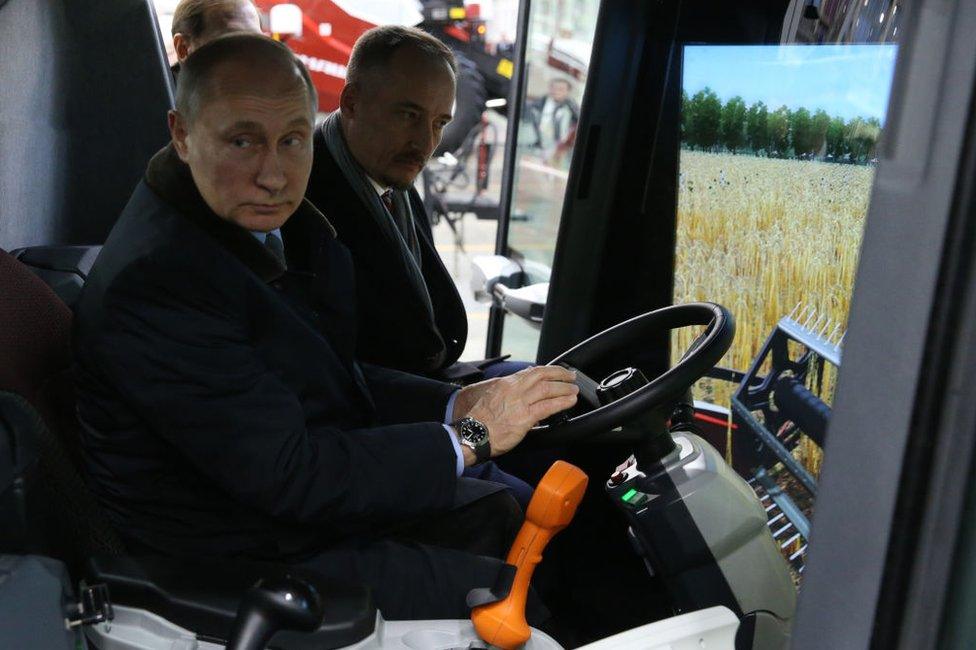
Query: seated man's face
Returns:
{"type": "Point", "coordinates": [239, 16]}
{"type": "Point", "coordinates": [249, 145]}
{"type": "Point", "coordinates": [393, 121]}
{"type": "Point", "coordinates": [558, 90]}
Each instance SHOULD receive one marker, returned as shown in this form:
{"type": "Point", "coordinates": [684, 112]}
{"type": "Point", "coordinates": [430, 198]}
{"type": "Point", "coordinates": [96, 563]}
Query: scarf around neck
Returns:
{"type": "Point", "coordinates": [335, 141]}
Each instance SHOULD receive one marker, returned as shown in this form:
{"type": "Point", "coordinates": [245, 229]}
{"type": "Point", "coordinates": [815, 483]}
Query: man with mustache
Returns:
{"type": "Point", "coordinates": [223, 411]}
{"type": "Point", "coordinates": [399, 95]}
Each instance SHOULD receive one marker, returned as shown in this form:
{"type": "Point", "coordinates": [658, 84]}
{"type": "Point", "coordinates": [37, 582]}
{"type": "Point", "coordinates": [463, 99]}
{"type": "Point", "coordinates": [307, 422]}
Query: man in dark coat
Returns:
{"type": "Point", "coordinates": [223, 409]}
{"type": "Point", "coordinates": [399, 95]}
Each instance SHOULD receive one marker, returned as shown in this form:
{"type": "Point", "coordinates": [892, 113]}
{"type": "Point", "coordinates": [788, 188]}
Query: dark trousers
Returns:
{"type": "Point", "coordinates": [489, 471]}
{"type": "Point", "coordinates": [416, 581]}
{"type": "Point", "coordinates": [425, 569]}
{"type": "Point", "coordinates": [483, 525]}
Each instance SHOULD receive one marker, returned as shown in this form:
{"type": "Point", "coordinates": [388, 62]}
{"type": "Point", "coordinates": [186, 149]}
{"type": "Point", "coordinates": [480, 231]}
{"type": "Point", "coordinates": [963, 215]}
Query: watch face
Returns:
{"type": "Point", "coordinates": [474, 432]}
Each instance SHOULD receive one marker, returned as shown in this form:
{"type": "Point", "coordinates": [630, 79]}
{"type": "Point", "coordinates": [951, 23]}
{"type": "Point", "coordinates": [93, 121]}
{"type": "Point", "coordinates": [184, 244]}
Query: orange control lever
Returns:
{"type": "Point", "coordinates": [552, 507]}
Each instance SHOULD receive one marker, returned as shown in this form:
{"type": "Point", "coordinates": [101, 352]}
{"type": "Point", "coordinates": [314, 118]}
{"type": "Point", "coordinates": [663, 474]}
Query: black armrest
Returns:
{"type": "Point", "coordinates": [202, 596]}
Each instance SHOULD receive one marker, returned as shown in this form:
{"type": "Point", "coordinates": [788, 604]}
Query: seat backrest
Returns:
{"type": "Point", "coordinates": [86, 87]}
{"type": "Point", "coordinates": [45, 505]}
{"type": "Point", "coordinates": [35, 330]}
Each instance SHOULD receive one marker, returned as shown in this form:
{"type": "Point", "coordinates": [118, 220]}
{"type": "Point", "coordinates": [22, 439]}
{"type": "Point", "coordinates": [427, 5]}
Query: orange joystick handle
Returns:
{"type": "Point", "coordinates": [552, 507]}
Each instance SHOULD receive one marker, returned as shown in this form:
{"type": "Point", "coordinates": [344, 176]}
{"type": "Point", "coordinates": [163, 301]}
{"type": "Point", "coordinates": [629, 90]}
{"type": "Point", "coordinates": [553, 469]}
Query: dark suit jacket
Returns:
{"type": "Point", "coordinates": [395, 329]}
{"type": "Point", "coordinates": [223, 408]}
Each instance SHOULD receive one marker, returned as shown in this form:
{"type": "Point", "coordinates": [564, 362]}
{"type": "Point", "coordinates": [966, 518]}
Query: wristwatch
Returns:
{"type": "Point", "coordinates": [474, 435]}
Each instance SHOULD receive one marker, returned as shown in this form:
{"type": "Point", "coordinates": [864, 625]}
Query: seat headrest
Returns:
{"type": "Point", "coordinates": [35, 330]}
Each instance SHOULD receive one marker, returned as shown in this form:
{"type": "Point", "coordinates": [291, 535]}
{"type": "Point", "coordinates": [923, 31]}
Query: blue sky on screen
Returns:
{"type": "Point", "coordinates": [844, 80]}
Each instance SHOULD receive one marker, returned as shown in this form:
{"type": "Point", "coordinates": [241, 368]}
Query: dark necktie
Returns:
{"type": "Point", "coordinates": [402, 224]}
{"type": "Point", "coordinates": [387, 198]}
{"type": "Point", "coordinates": [274, 245]}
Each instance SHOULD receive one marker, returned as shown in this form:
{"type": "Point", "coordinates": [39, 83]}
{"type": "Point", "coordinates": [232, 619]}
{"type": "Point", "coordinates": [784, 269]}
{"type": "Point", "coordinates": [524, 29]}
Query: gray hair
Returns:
{"type": "Point", "coordinates": [374, 49]}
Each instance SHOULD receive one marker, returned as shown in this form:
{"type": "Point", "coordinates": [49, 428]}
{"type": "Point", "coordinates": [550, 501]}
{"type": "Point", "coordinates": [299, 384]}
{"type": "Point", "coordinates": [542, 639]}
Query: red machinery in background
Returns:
{"type": "Point", "coordinates": [322, 33]}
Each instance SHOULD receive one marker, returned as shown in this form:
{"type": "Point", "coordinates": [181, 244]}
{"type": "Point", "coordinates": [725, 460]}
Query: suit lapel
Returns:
{"type": "Point", "coordinates": [384, 266]}
{"type": "Point", "coordinates": [346, 196]}
{"type": "Point", "coordinates": [440, 284]}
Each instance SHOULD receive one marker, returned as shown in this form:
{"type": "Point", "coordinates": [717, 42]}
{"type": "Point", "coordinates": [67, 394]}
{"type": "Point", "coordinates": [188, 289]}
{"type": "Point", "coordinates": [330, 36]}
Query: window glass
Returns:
{"type": "Point", "coordinates": [560, 38]}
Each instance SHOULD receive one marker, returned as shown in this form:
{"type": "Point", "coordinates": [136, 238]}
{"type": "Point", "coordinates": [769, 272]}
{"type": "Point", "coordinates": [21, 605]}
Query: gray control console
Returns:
{"type": "Point", "coordinates": [701, 529]}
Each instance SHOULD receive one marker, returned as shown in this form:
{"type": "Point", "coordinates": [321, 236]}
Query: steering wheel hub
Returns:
{"type": "Point", "coordinates": [620, 384]}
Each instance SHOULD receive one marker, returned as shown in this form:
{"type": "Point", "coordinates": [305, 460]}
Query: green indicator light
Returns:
{"type": "Point", "coordinates": [630, 493]}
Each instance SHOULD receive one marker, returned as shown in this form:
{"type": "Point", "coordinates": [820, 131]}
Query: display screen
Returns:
{"type": "Point", "coordinates": [778, 150]}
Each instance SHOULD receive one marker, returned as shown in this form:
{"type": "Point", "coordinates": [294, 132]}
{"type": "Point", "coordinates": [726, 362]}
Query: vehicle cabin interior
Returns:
{"type": "Point", "coordinates": [699, 524]}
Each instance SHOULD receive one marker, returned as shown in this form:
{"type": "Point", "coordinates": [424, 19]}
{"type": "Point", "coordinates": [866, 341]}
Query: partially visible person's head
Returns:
{"type": "Point", "coordinates": [559, 90]}
{"type": "Point", "coordinates": [399, 95]}
{"type": "Point", "coordinates": [245, 110]}
{"type": "Point", "coordinates": [197, 22]}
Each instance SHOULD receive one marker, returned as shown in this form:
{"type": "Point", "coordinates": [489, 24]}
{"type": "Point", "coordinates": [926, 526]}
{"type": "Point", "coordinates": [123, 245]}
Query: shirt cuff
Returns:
{"type": "Point", "coordinates": [459, 466]}
{"type": "Point", "coordinates": [449, 411]}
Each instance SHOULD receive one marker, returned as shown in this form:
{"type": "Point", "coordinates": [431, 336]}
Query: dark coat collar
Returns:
{"type": "Point", "coordinates": [171, 180]}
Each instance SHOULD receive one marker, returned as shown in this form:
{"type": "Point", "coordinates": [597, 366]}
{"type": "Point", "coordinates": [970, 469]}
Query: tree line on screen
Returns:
{"type": "Point", "coordinates": [708, 125]}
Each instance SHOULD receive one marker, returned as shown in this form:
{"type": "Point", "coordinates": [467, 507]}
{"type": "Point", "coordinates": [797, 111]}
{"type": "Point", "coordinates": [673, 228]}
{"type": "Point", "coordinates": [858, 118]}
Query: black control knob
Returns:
{"type": "Point", "coordinates": [657, 442]}
{"type": "Point", "coordinates": [273, 604]}
{"type": "Point", "coordinates": [620, 384]}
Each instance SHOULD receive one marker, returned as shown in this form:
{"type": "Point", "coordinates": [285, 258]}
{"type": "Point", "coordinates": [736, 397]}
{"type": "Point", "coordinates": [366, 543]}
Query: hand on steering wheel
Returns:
{"type": "Point", "coordinates": [510, 406]}
{"type": "Point", "coordinates": [631, 334]}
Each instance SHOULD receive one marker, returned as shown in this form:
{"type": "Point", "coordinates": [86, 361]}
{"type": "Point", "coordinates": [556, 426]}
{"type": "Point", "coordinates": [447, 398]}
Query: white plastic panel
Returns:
{"type": "Point", "coordinates": [135, 629]}
{"type": "Point", "coordinates": [438, 635]}
{"type": "Point", "coordinates": [707, 629]}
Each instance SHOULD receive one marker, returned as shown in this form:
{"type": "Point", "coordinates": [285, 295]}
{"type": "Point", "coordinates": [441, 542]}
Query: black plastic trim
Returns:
{"type": "Point", "coordinates": [203, 596]}
{"type": "Point", "coordinates": [496, 315]}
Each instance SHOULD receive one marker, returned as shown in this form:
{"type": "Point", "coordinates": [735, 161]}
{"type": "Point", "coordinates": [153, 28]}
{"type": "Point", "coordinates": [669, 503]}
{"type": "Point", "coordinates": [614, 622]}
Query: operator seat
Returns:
{"type": "Point", "coordinates": [50, 511]}
{"type": "Point", "coordinates": [47, 509]}
{"type": "Point", "coordinates": [93, 90]}
{"type": "Point", "coordinates": [93, 87]}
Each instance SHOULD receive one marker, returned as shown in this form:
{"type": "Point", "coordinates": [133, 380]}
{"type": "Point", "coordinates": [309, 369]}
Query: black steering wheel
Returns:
{"type": "Point", "coordinates": [595, 419]}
